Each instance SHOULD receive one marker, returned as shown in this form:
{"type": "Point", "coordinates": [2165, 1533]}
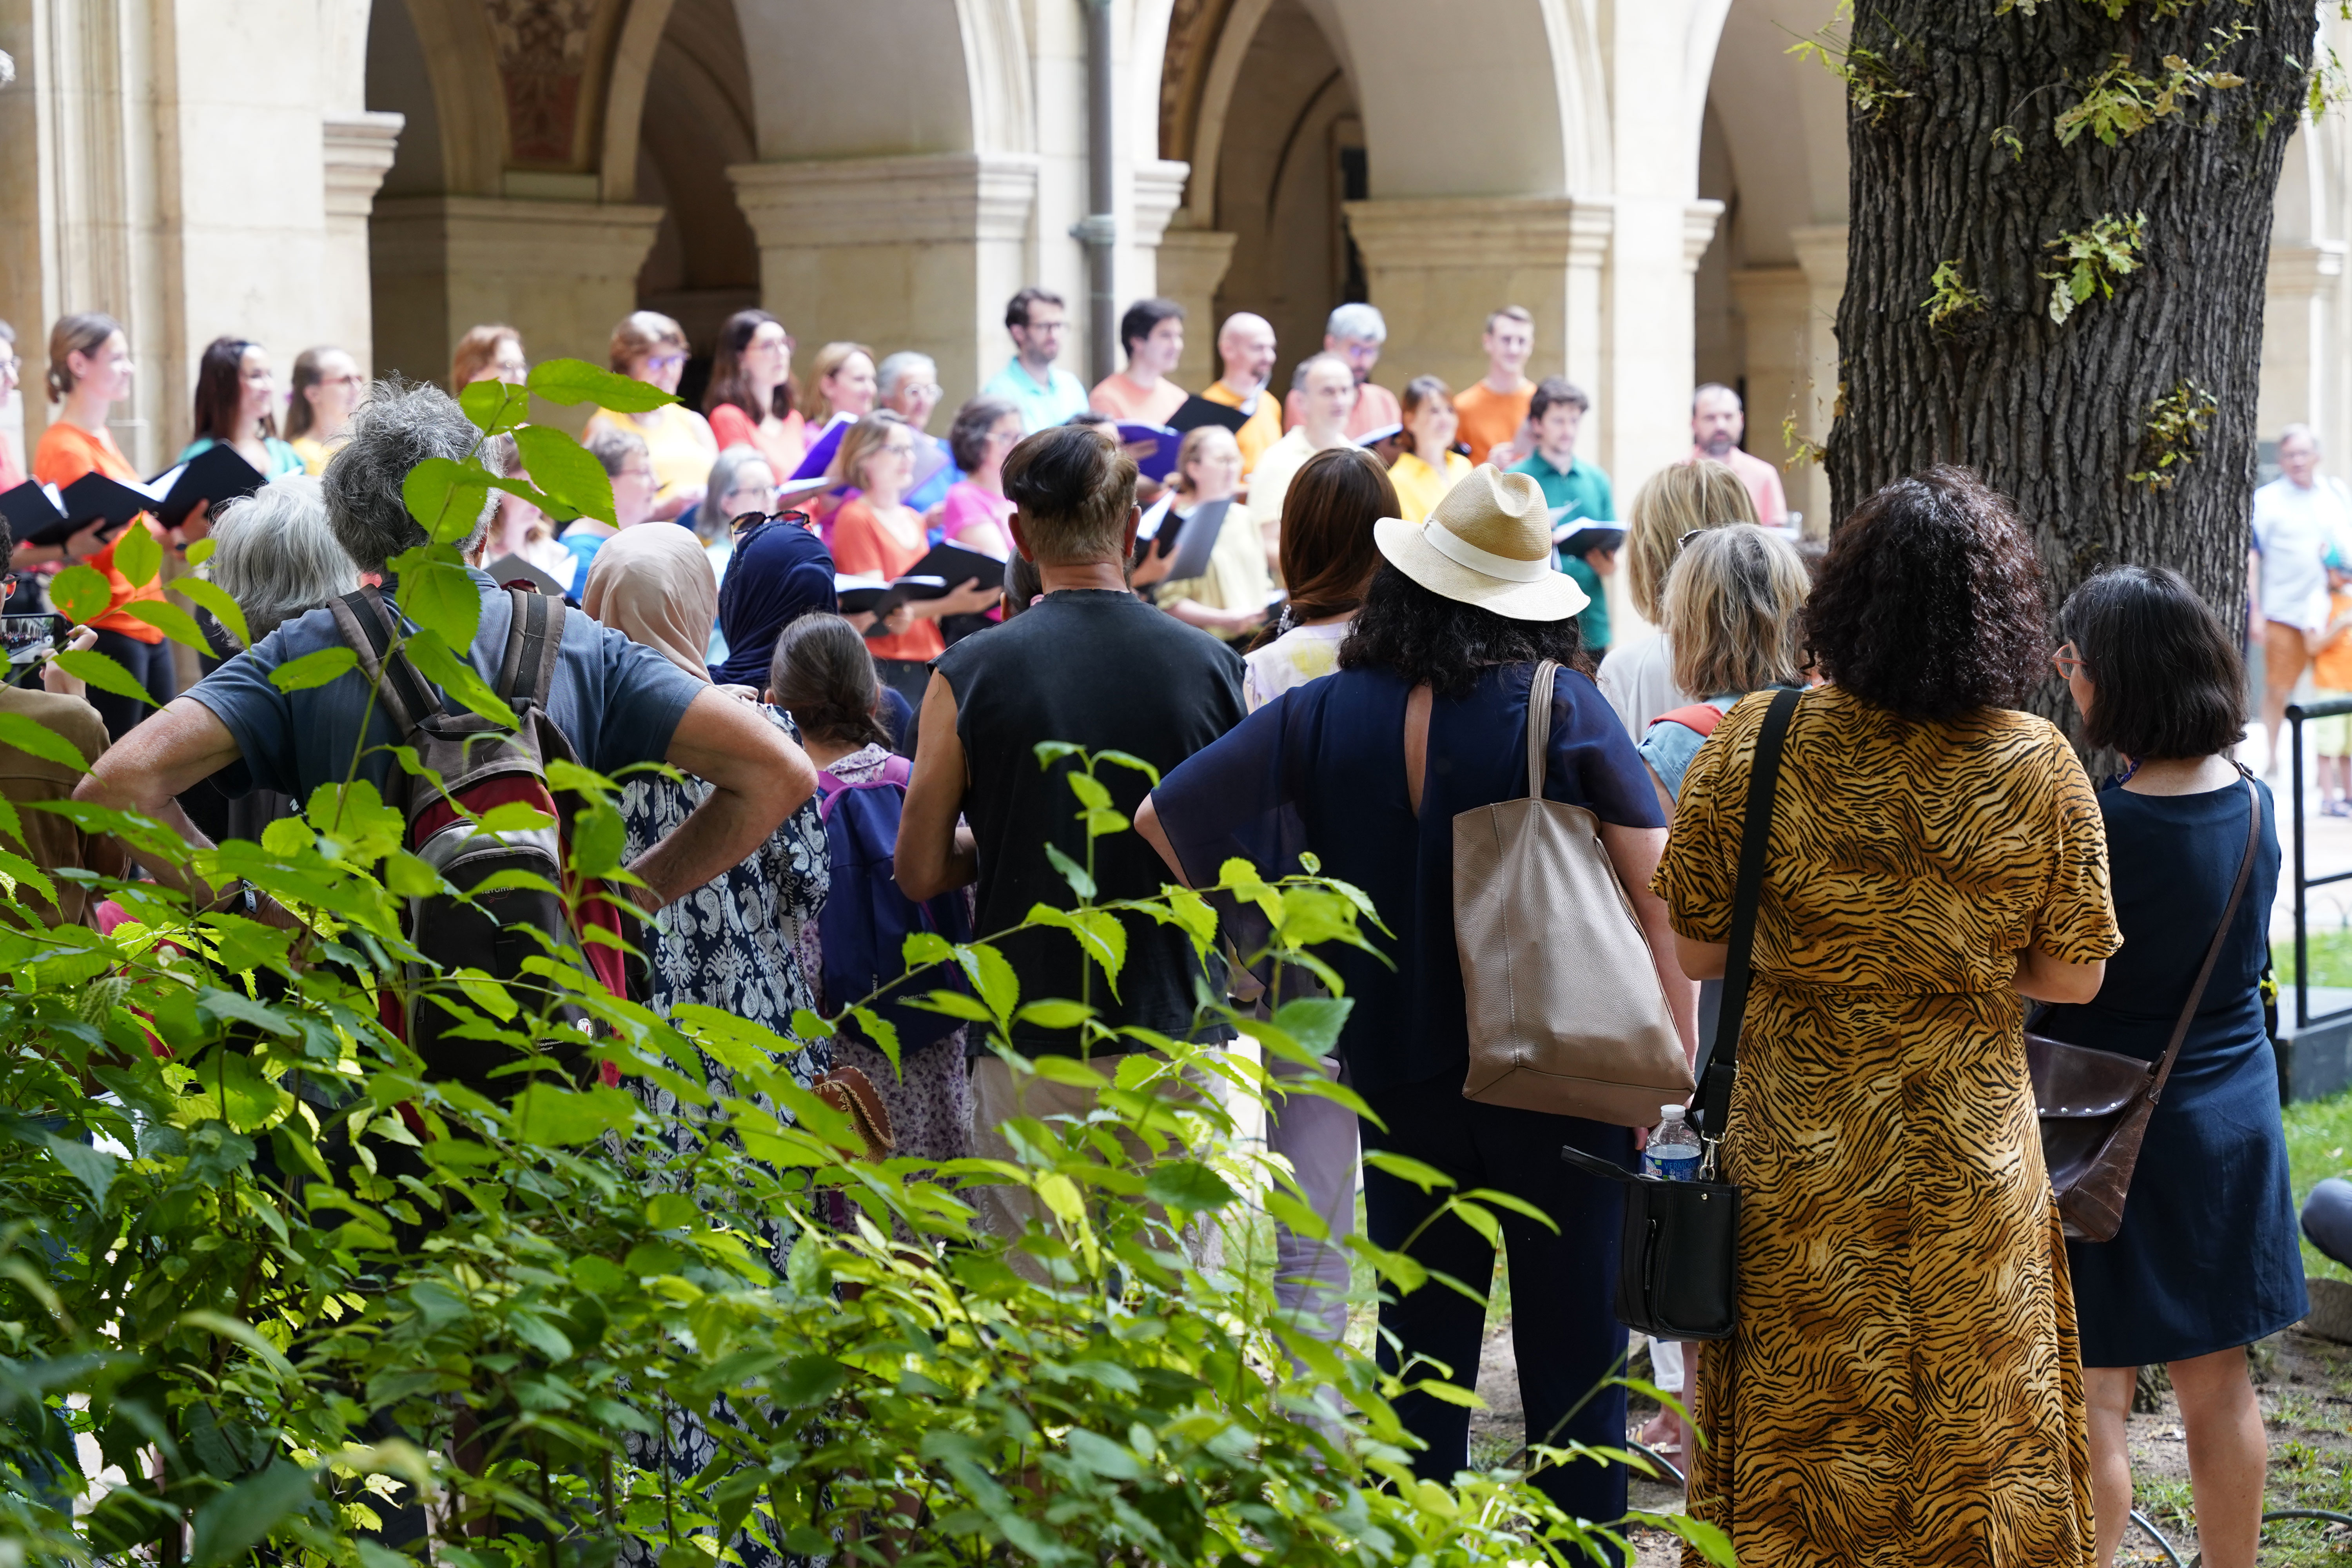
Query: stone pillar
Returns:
{"type": "Point", "coordinates": [1775, 313]}
{"type": "Point", "coordinates": [1648, 337]}
{"type": "Point", "coordinates": [1156, 191]}
{"type": "Point", "coordinates": [559, 272]}
{"type": "Point", "coordinates": [1821, 256]}
{"type": "Point", "coordinates": [1192, 262]}
{"type": "Point", "coordinates": [1437, 267]}
{"type": "Point", "coordinates": [358, 151]}
{"type": "Point", "coordinates": [2299, 378]}
{"type": "Point", "coordinates": [902, 253]}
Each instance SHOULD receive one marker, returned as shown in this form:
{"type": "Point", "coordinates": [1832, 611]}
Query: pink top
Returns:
{"type": "Point", "coordinates": [967, 505]}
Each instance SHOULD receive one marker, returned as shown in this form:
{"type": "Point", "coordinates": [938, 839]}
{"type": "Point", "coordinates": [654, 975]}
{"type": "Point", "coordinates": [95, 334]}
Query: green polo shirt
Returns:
{"type": "Point", "coordinates": [1577, 493]}
{"type": "Point", "coordinates": [1592, 621]}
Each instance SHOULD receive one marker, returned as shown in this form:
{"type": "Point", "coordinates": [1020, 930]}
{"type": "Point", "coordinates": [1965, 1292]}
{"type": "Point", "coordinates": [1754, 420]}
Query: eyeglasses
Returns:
{"type": "Point", "coordinates": [2067, 661]}
{"type": "Point", "coordinates": [664, 362]}
{"type": "Point", "coordinates": [932, 390]}
{"type": "Point", "coordinates": [1686, 538]}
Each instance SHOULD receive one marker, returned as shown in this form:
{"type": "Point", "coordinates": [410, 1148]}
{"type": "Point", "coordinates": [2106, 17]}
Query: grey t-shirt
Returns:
{"type": "Point", "coordinates": [615, 701]}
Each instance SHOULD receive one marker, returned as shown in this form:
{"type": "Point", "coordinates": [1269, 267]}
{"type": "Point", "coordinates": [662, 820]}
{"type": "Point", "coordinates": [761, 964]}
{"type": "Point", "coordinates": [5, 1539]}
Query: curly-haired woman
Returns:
{"type": "Point", "coordinates": [1903, 1378]}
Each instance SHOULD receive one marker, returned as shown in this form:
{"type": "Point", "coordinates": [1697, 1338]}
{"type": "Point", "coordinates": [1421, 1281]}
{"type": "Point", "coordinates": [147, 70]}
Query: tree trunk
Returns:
{"type": "Point", "coordinates": [2058, 417]}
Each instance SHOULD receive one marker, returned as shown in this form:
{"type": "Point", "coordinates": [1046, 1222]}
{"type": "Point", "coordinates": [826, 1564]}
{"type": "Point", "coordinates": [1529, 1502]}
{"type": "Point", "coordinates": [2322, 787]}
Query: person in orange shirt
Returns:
{"type": "Point", "coordinates": [1152, 333]}
{"type": "Point", "coordinates": [878, 536]}
{"type": "Point", "coordinates": [1493, 410]}
{"type": "Point", "coordinates": [89, 370]}
{"type": "Point", "coordinates": [2331, 674]}
{"type": "Point", "coordinates": [1245, 345]}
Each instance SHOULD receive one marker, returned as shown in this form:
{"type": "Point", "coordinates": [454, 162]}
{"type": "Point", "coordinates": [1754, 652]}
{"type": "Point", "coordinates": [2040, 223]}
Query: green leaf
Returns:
{"type": "Point", "coordinates": [199, 553]}
{"type": "Point", "coordinates": [566, 471]}
{"type": "Point", "coordinates": [1072, 872]}
{"type": "Point", "coordinates": [441, 598]}
{"type": "Point", "coordinates": [100, 670]}
{"type": "Point", "coordinates": [1055, 1015]}
{"type": "Point", "coordinates": [1091, 792]}
{"type": "Point", "coordinates": [598, 836]}
{"type": "Point", "coordinates": [1186, 1184]}
{"type": "Point", "coordinates": [314, 669]}
{"type": "Point", "coordinates": [1314, 1022]}
{"type": "Point", "coordinates": [232, 1523]}
{"type": "Point", "coordinates": [242, 1333]}
{"type": "Point", "coordinates": [137, 555]}
{"type": "Point", "coordinates": [571, 382]}
{"type": "Point", "coordinates": [540, 1335]}
{"type": "Point", "coordinates": [1093, 1451]}
{"type": "Point", "coordinates": [494, 407]}
{"type": "Point", "coordinates": [992, 977]}
{"type": "Point", "coordinates": [19, 870]}
{"type": "Point", "coordinates": [214, 600]}
{"type": "Point", "coordinates": [546, 1114]}
{"type": "Point", "coordinates": [171, 621]}
{"type": "Point", "coordinates": [82, 593]}
{"type": "Point", "coordinates": [457, 677]}
{"type": "Point", "coordinates": [93, 1168]}
{"type": "Point", "coordinates": [1428, 1178]}
{"type": "Point", "coordinates": [672, 1211]}
{"type": "Point", "coordinates": [881, 1031]}
{"type": "Point", "coordinates": [42, 741]}
{"type": "Point", "coordinates": [954, 1004]}
{"type": "Point", "coordinates": [446, 496]}
{"type": "Point", "coordinates": [513, 816]}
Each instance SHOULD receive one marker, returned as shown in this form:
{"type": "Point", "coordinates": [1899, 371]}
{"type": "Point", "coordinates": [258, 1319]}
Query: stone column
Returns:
{"type": "Point", "coordinates": [1155, 192]}
{"type": "Point", "coordinates": [902, 253]}
{"type": "Point", "coordinates": [357, 151]}
{"type": "Point", "coordinates": [2299, 378]}
{"type": "Point", "coordinates": [1192, 262]}
{"type": "Point", "coordinates": [561, 272]}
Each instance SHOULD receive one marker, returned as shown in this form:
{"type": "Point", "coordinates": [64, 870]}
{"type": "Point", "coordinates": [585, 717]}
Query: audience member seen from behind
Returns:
{"type": "Point", "coordinates": [750, 399]}
{"type": "Point", "coordinates": [1353, 335]}
{"type": "Point", "coordinates": [1672, 505]}
{"type": "Point", "coordinates": [630, 468]}
{"type": "Point", "coordinates": [1038, 320]}
{"type": "Point", "coordinates": [490, 353]}
{"type": "Point", "coordinates": [780, 570]}
{"type": "Point", "coordinates": [27, 779]}
{"type": "Point", "coordinates": [878, 536]}
{"type": "Point", "coordinates": [1229, 598]}
{"type": "Point", "coordinates": [907, 384]}
{"type": "Point", "coordinates": [2206, 1262]}
{"type": "Point", "coordinates": [2331, 677]}
{"type": "Point", "coordinates": [90, 372]}
{"type": "Point", "coordinates": [273, 554]}
{"type": "Point", "coordinates": [841, 381]}
{"type": "Point", "coordinates": [1495, 406]}
{"type": "Point", "coordinates": [2300, 519]}
{"type": "Point", "coordinates": [823, 676]}
{"type": "Point", "coordinates": [237, 405]}
{"type": "Point", "coordinates": [1327, 391]}
{"type": "Point", "coordinates": [1246, 351]}
{"type": "Point", "coordinates": [1328, 557]}
{"type": "Point", "coordinates": [648, 346]}
{"type": "Point", "coordinates": [1429, 465]}
{"type": "Point", "coordinates": [618, 704]}
{"type": "Point", "coordinates": [1935, 856]}
{"type": "Point", "coordinates": [976, 511]}
{"type": "Point", "coordinates": [1152, 334]}
{"type": "Point", "coordinates": [326, 387]}
{"type": "Point", "coordinates": [1089, 665]}
{"type": "Point", "coordinates": [1732, 608]}
{"type": "Point", "coordinates": [1719, 420]}
{"type": "Point", "coordinates": [733, 942]}
{"type": "Point", "coordinates": [1427, 718]}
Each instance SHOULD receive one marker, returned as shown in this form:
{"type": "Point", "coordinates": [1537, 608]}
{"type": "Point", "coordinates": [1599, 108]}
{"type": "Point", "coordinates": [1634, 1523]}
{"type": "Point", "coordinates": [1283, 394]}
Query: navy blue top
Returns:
{"type": "Point", "coordinates": [2206, 1259]}
{"type": "Point", "coordinates": [1321, 769]}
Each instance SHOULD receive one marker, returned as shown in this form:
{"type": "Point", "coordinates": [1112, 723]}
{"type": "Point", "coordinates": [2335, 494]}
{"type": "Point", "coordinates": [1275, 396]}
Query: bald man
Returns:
{"type": "Point", "coordinates": [1245, 344]}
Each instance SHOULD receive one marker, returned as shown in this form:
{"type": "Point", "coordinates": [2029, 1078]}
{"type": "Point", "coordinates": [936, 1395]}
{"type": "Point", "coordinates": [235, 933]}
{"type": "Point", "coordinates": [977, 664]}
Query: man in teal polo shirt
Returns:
{"type": "Point", "coordinates": [1575, 490]}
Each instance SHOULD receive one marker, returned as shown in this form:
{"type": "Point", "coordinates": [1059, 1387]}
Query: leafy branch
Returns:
{"type": "Point", "coordinates": [1872, 80]}
{"type": "Point", "coordinates": [2174, 434]}
{"type": "Point", "coordinates": [2121, 101]}
{"type": "Point", "coordinates": [1949, 300]}
{"type": "Point", "coordinates": [2091, 260]}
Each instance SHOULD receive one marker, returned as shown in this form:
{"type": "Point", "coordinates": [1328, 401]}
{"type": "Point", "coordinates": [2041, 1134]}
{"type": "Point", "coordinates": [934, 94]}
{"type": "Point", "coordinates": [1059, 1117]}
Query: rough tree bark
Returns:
{"type": "Point", "coordinates": [2058, 416]}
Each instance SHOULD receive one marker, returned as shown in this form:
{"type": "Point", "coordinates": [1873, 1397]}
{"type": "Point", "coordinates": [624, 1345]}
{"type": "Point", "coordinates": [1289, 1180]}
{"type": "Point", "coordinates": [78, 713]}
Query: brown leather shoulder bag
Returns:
{"type": "Point", "coordinates": [2094, 1105]}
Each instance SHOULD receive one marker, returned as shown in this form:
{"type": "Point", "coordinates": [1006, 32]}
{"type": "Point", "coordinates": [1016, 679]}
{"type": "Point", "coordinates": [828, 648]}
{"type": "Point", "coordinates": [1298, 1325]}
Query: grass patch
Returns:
{"type": "Point", "coordinates": [2331, 962]}
{"type": "Point", "coordinates": [2318, 1146]}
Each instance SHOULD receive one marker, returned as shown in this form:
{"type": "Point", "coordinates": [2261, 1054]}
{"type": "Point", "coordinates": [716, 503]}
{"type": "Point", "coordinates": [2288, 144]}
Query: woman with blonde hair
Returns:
{"type": "Point", "coordinates": [492, 351]}
{"type": "Point", "coordinates": [842, 380]}
{"type": "Point", "coordinates": [1672, 504]}
{"type": "Point", "coordinates": [648, 346]}
{"type": "Point", "coordinates": [1230, 597]}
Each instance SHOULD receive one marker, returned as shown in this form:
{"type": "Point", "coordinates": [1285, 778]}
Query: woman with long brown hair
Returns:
{"type": "Point", "coordinates": [1328, 557]}
{"type": "Point", "coordinates": [750, 399]}
{"type": "Point", "coordinates": [237, 405]}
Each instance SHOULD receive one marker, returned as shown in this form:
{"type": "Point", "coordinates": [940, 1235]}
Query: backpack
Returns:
{"type": "Point", "coordinates": [481, 766]}
{"type": "Point", "coordinates": [867, 919]}
{"type": "Point", "coordinates": [1700, 718]}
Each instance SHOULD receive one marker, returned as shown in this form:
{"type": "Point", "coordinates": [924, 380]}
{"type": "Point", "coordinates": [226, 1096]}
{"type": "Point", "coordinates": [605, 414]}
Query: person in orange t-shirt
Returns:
{"type": "Point", "coordinates": [1152, 332]}
{"type": "Point", "coordinates": [89, 370]}
{"type": "Point", "coordinates": [2331, 675]}
{"type": "Point", "coordinates": [1492, 410]}
{"type": "Point", "coordinates": [878, 536]}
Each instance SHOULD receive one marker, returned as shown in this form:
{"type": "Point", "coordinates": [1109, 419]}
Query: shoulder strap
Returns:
{"type": "Point", "coordinates": [366, 624]}
{"type": "Point", "coordinates": [1747, 893]}
{"type": "Point", "coordinates": [534, 642]}
{"type": "Point", "coordinates": [1700, 717]}
{"type": "Point", "coordinates": [2220, 936]}
{"type": "Point", "coordinates": [1539, 725]}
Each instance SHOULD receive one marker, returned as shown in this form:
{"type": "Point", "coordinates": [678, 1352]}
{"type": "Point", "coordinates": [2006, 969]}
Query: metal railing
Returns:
{"type": "Point", "coordinates": [2297, 714]}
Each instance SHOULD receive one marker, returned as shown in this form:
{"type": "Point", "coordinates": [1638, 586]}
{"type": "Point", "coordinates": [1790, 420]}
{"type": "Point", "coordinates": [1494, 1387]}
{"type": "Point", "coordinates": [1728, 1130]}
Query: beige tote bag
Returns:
{"type": "Point", "coordinates": [1566, 1010]}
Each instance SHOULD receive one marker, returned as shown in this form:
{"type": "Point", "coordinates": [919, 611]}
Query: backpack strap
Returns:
{"type": "Point", "coordinates": [367, 626]}
{"type": "Point", "coordinates": [830, 789]}
{"type": "Point", "coordinates": [1701, 717]}
{"type": "Point", "coordinates": [534, 644]}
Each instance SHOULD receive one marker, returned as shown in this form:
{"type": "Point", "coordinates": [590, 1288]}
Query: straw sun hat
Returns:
{"type": "Point", "coordinates": [1489, 543]}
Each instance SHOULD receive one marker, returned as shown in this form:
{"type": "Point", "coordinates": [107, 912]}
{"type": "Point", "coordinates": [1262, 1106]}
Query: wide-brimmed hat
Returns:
{"type": "Point", "coordinates": [1487, 543]}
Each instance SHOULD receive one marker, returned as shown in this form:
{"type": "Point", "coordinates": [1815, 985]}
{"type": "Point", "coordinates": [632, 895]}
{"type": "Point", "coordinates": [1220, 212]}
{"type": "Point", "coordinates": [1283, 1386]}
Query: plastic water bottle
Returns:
{"type": "Point", "coordinates": [1674, 1151]}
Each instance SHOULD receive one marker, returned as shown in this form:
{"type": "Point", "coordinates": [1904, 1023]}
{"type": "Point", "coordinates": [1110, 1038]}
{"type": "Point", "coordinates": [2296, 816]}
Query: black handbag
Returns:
{"type": "Point", "coordinates": [1678, 1254]}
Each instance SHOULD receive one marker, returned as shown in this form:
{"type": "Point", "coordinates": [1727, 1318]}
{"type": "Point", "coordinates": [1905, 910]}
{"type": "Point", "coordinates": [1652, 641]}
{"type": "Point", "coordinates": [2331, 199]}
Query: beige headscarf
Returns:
{"type": "Point", "coordinates": [652, 583]}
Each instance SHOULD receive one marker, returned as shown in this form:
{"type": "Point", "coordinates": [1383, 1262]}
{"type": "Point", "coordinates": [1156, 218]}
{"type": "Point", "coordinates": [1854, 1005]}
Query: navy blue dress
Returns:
{"type": "Point", "coordinates": [2207, 1259]}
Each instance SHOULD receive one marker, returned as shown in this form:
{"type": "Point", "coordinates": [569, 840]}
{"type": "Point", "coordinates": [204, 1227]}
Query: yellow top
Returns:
{"type": "Point", "coordinates": [1263, 429]}
{"type": "Point", "coordinates": [314, 452]}
{"type": "Point", "coordinates": [1420, 487]}
{"type": "Point", "coordinates": [1237, 578]}
{"type": "Point", "coordinates": [678, 440]}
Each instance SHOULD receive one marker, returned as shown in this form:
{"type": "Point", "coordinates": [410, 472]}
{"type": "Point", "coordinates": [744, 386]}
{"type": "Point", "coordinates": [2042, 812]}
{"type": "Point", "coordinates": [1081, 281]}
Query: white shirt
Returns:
{"type": "Point", "coordinates": [1276, 467]}
{"type": "Point", "coordinates": [1298, 656]}
{"type": "Point", "coordinates": [2294, 530]}
{"type": "Point", "coordinates": [1639, 681]}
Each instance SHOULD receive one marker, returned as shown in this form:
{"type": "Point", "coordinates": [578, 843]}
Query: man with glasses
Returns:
{"type": "Point", "coordinates": [1046, 394]}
{"type": "Point", "coordinates": [1354, 335]}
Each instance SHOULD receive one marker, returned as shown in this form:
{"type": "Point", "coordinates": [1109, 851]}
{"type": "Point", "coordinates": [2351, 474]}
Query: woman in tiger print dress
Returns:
{"type": "Point", "coordinates": [1903, 1386]}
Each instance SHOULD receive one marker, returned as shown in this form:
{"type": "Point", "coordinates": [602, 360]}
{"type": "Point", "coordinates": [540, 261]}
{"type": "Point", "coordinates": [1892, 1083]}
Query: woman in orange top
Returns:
{"type": "Point", "coordinates": [89, 370]}
{"type": "Point", "coordinates": [750, 400]}
{"type": "Point", "coordinates": [878, 536]}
